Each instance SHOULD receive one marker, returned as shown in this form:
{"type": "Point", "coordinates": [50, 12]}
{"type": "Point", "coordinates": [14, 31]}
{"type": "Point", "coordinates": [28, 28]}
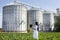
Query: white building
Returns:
{"type": "Point", "coordinates": [14, 18]}
{"type": "Point", "coordinates": [45, 19]}
{"type": "Point", "coordinates": [17, 18]}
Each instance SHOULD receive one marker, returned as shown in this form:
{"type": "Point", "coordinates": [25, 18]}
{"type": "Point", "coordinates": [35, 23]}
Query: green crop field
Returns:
{"type": "Point", "coordinates": [29, 36]}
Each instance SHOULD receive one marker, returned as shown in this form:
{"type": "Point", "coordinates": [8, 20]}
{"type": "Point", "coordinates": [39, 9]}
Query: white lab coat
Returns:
{"type": "Point", "coordinates": [35, 32]}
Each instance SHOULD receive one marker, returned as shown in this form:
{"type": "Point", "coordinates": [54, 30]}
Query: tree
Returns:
{"type": "Point", "coordinates": [57, 24]}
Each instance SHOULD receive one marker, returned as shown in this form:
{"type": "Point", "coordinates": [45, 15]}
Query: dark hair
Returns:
{"type": "Point", "coordinates": [36, 23]}
{"type": "Point", "coordinates": [30, 25]}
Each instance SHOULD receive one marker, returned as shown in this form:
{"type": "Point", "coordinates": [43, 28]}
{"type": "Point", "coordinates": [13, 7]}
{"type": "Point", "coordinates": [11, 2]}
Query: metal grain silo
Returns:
{"type": "Point", "coordinates": [52, 21]}
{"type": "Point", "coordinates": [35, 15]}
{"type": "Point", "coordinates": [15, 18]}
{"type": "Point", "coordinates": [48, 21]}
{"type": "Point", "coordinates": [58, 11]}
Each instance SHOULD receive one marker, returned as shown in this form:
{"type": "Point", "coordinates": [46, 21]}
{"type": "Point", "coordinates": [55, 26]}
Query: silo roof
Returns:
{"type": "Point", "coordinates": [14, 3]}
{"type": "Point", "coordinates": [34, 8]}
{"type": "Point", "coordinates": [45, 11]}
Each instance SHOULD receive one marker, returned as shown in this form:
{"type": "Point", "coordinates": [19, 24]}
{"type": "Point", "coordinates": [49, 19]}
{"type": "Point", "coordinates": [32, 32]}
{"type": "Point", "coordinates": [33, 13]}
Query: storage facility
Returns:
{"type": "Point", "coordinates": [34, 15]}
{"type": "Point", "coordinates": [17, 17]}
{"type": "Point", "coordinates": [14, 18]}
{"type": "Point", "coordinates": [44, 18]}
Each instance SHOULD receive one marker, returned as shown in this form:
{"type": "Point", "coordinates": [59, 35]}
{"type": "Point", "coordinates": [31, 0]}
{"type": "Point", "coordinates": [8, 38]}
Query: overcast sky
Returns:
{"type": "Point", "coordinates": [44, 4]}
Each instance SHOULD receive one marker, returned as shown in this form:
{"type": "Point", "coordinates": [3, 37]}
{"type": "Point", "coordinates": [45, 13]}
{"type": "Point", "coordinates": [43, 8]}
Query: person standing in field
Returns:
{"type": "Point", "coordinates": [35, 31]}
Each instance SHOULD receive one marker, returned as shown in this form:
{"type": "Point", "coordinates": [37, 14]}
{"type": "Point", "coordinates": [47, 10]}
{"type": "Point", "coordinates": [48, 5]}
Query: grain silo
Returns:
{"type": "Point", "coordinates": [14, 18]}
{"type": "Point", "coordinates": [48, 20]}
{"type": "Point", "coordinates": [52, 21]}
{"type": "Point", "coordinates": [35, 15]}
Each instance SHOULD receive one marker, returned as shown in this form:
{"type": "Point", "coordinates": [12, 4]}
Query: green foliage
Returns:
{"type": "Point", "coordinates": [0, 29]}
{"type": "Point", "coordinates": [29, 29]}
{"type": "Point", "coordinates": [29, 36]}
{"type": "Point", "coordinates": [57, 24]}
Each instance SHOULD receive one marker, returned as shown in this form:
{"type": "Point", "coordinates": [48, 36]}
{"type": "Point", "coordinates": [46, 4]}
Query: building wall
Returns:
{"type": "Point", "coordinates": [51, 21]}
{"type": "Point", "coordinates": [35, 16]}
{"type": "Point", "coordinates": [14, 18]}
{"type": "Point", "coordinates": [44, 19]}
{"type": "Point", "coordinates": [46, 22]}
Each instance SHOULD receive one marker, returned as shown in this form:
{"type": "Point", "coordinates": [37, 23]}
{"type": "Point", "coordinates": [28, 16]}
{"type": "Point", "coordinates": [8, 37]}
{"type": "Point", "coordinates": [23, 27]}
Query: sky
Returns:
{"type": "Point", "coordinates": [51, 5]}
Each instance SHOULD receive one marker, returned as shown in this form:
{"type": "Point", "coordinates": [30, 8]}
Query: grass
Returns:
{"type": "Point", "coordinates": [29, 36]}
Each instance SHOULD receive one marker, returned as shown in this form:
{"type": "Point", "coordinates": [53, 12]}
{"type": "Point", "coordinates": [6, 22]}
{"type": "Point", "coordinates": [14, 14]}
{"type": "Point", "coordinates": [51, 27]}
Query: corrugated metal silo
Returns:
{"type": "Point", "coordinates": [15, 18]}
{"type": "Point", "coordinates": [35, 15]}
